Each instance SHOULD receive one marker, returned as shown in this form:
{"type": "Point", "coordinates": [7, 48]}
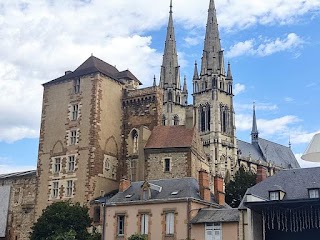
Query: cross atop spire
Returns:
{"type": "Point", "coordinates": [212, 53]}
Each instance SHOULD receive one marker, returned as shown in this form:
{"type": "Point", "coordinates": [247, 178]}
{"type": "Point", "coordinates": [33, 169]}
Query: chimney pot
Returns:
{"type": "Point", "coordinates": [124, 184]}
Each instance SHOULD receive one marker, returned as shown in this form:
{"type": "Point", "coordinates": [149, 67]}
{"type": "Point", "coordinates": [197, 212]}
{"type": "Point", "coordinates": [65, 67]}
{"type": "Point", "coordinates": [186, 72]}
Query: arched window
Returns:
{"type": "Point", "coordinates": [170, 96]}
{"type": "Point", "coordinates": [175, 120]}
{"type": "Point", "coordinates": [164, 120]}
{"type": "Point", "coordinates": [230, 88]}
{"type": "Point", "coordinates": [202, 119]}
{"type": "Point", "coordinates": [224, 118]}
{"type": "Point", "coordinates": [135, 136]}
{"type": "Point", "coordinates": [178, 98]}
{"type": "Point", "coordinates": [208, 117]}
{"type": "Point", "coordinates": [215, 82]}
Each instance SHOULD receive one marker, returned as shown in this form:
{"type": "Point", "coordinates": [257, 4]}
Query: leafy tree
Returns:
{"type": "Point", "coordinates": [137, 237]}
{"type": "Point", "coordinates": [237, 187]}
{"type": "Point", "coordinates": [63, 221]}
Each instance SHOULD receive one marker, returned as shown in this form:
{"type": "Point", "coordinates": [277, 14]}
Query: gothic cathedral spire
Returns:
{"type": "Point", "coordinates": [170, 69]}
{"type": "Point", "coordinates": [212, 58]}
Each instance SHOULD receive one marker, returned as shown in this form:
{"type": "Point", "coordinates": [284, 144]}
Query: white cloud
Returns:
{"type": "Point", "coordinates": [259, 106]}
{"type": "Point", "coordinates": [288, 99]}
{"type": "Point", "coordinates": [267, 47]}
{"type": "Point", "coordinates": [239, 88]}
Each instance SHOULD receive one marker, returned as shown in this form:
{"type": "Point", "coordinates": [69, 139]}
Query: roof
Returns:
{"type": "Point", "coordinates": [95, 65]}
{"type": "Point", "coordinates": [182, 188]}
{"type": "Point", "coordinates": [269, 152]}
{"type": "Point", "coordinates": [210, 215]}
{"type": "Point", "coordinates": [294, 182]}
{"type": "Point", "coordinates": [18, 174]}
{"type": "Point", "coordinates": [4, 209]}
{"type": "Point", "coordinates": [170, 137]}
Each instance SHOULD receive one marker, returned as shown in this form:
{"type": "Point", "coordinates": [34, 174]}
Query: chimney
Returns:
{"type": "Point", "coordinates": [204, 189]}
{"type": "Point", "coordinates": [218, 190]}
{"type": "Point", "coordinates": [124, 184]}
{"type": "Point", "coordinates": [261, 174]}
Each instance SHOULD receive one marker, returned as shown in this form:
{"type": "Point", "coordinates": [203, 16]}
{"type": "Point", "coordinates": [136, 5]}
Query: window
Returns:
{"type": "Point", "coordinates": [57, 165]}
{"type": "Point", "coordinates": [313, 193]}
{"type": "Point", "coordinates": [55, 190]}
{"type": "Point", "coordinates": [96, 214]}
{"type": "Point", "coordinates": [69, 188]}
{"type": "Point", "coordinates": [73, 137]}
{"type": "Point", "coordinates": [135, 141]}
{"type": "Point", "coordinates": [133, 170]}
{"type": "Point", "coordinates": [144, 224]}
{"type": "Point", "coordinates": [167, 167]}
{"type": "Point", "coordinates": [170, 96]}
{"type": "Point", "coordinates": [77, 85]}
{"type": "Point", "coordinates": [213, 231]}
{"type": "Point", "coordinates": [274, 195]}
{"type": "Point", "coordinates": [164, 120]}
{"type": "Point", "coordinates": [120, 226]}
{"type": "Point", "coordinates": [176, 120]}
{"type": "Point", "coordinates": [75, 110]}
{"type": "Point", "coordinates": [170, 223]}
{"type": "Point", "coordinates": [71, 164]}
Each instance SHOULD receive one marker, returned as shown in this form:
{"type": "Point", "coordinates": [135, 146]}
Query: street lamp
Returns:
{"type": "Point", "coordinates": [312, 154]}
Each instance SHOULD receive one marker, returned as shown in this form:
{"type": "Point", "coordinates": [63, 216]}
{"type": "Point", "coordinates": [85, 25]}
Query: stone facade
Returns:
{"type": "Point", "coordinates": [21, 204]}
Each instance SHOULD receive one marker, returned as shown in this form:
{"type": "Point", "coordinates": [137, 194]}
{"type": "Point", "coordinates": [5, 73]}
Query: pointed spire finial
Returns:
{"type": "Point", "coordinates": [195, 74]}
{"type": "Point", "coordinates": [170, 6]}
{"type": "Point", "coordinates": [254, 131]}
{"type": "Point", "coordinates": [229, 74]}
{"type": "Point", "coordinates": [185, 89]}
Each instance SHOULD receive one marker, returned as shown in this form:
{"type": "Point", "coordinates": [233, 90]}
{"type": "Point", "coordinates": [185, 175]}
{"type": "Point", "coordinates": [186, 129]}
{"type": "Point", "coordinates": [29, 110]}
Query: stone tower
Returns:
{"type": "Point", "coordinates": [175, 98]}
{"type": "Point", "coordinates": [213, 100]}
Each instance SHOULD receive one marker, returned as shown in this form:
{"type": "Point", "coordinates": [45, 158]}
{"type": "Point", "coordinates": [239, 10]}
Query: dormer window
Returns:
{"type": "Point", "coordinates": [274, 195]}
{"type": "Point", "coordinates": [314, 193]}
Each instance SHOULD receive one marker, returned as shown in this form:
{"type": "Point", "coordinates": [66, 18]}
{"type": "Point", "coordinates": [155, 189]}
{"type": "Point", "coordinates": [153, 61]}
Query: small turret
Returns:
{"type": "Point", "coordinates": [154, 81]}
{"type": "Point", "coordinates": [254, 131]}
{"type": "Point", "coordinates": [195, 74]}
{"type": "Point", "coordinates": [229, 74]}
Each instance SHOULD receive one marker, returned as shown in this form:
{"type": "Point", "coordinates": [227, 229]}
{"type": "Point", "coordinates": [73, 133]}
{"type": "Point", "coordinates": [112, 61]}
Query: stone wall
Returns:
{"type": "Point", "coordinates": [21, 206]}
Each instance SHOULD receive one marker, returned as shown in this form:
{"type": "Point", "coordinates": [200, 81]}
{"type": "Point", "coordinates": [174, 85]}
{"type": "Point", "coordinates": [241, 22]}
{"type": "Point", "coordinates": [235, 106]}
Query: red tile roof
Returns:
{"type": "Point", "coordinates": [170, 137]}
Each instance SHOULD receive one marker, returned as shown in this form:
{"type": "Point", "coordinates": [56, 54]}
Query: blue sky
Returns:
{"type": "Point", "coordinates": [273, 47]}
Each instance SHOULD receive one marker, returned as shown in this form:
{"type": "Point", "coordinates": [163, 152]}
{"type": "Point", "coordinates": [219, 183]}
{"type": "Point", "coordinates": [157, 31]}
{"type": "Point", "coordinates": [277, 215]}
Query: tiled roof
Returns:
{"type": "Point", "coordinates": [184, 188]}
{"type": "Point", "coordinates": [268, 151]}
{"type": "Point", "coordinates": [94, 65]}
{"type": "Point", "coordinates": [18, 174]}
{"type": "Point", "coordinates": [4, 209]}
{"type": "Point", "coordinates": [170, 137]}
{"type": "Point", "coordinates": [210, 215]}
{"type": "Point", "coordinates": [294, 182]}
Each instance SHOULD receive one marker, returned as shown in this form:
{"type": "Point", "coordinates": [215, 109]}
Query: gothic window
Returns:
{"type": "Point", "coordinates": [202, 119]}
{"type": "Point", "coordinates": [76, 85]}
{"type": "Point", "coordinates": [135, 136]}
{"type": "Point", "coordinates": [205, 85]}
{"type": "Point", "coordinates": [224, 117]}
{"type": "Point", "coordinates": [208, 118]}
{"type": "Point", "coordinates": [170, 96]}
{"type": "Point", "coordinates": [176, 120]}
{"type": "Point", "coordinates": [196, 87]}
{"type": "Point", "coordinates": [164, 120]}
{"type": "Point", "coordinates": [221, 85]}
{"type": "Point", "coordinates": [230, 88]}
{"type": "Point", "coordinates": [214, 82]}
{"type": "Point", "coordinates": [178, 99]}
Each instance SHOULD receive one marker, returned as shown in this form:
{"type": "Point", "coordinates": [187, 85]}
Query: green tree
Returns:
{"type": "Point", "coordinates": [63, 221]}
{"type": "Point", "coordinates": [138, 237]}
{"type": "Point", "coordinates": [237, 187]}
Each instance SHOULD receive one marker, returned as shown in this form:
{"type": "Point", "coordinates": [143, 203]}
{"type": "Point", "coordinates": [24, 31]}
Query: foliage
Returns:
{"type": "Point", "coordinates": [237, 187]}
{"type": "Point", "coordinates": [63, 221]}
{"type": "Point", "coordinates": [138, 237]}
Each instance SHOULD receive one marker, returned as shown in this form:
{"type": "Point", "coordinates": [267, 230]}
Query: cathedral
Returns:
{"type": "Point", "coordinates": [98, 126]}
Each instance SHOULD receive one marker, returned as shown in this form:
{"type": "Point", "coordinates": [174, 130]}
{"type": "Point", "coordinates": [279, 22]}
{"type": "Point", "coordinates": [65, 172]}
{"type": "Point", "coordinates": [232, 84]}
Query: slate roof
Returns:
{"type": "Point", "coordinates": [94, 65]}
{"type": "Point", "coordinates": [268, 151]}
{"type": "Point", "coordinates": [18, 174]}
{"type": "Point", "coordinates": [186, 188]}
{"type": "Point", "coordinates": [4, 209]}
{"type": "Point", "coordinates": [170, 137]}
{"type": "Point", "coordinates": [209, 215]}
{"type": "Point", "coordinates": [294, 182]}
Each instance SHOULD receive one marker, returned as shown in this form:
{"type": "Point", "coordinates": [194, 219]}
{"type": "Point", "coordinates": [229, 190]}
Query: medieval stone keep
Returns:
{"type": "Point", "coordinates": [98, 126]}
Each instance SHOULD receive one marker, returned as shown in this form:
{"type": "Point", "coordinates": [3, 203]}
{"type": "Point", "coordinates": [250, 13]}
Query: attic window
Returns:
{"type": "Point", "coordinates": [314, 193]}
{"type": "Point", "coordinates": [175, 193]}
{"type": "Point", "coordinates": [129, 196]}
{"type": "Point", "coordinates": [274, 195]}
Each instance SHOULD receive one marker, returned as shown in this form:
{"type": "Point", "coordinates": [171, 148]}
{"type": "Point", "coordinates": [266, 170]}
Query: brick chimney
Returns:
{"type": "Point", "coordinates": [204, 189]}
{"type": "Point", "coordinates": [218, 190]}
{"type": "Point", "coordinates": [124, 184]}
{"type": "Point", "coordinates": [261, 174]}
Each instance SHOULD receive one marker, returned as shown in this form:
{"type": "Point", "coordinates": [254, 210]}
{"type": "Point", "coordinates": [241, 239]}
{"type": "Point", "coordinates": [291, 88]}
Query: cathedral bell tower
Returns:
{"type": "Point", "coordinates": [175, 97]}
{"type": "Point", "coordinates": [213, 100]}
